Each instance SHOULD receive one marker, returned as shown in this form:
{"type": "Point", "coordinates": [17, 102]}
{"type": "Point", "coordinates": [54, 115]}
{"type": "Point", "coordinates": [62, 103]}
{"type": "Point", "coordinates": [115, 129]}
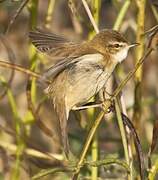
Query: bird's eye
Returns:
{"type": "Point", "coordinates": [116, 45]}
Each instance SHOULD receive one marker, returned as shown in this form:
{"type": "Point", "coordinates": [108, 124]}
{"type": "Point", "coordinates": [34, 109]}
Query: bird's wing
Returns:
{"type": "Point", "coordinates": [52, 44]}
{"type": "Point", "coordinates": [56, 69]}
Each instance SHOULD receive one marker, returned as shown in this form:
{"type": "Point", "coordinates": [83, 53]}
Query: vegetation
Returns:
{"type": "Point", "coordinates": [118, 141]}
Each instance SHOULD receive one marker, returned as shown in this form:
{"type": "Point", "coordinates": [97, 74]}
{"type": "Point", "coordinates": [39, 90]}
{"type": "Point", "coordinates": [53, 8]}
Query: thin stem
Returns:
{"type": "Point", "coordinates": [95, 4]}
{"type": "Point", "coordinates": [141, 4]}
{"type": "Point", "coordinates": [154, 10]}
{"type": "Point", "coordinates": [50, 10]}
{"type": "Point", "coordinates": [116, 26]}
{"type": "Point", "coordinates": [20, 69]}
{"type": "Point", "coordinates": [89, 138]}
{"type": "Point", "coordinates": [33, 10]}
{"type": "Point", "coordinates": [31, 152]}
{"type": "Point", "coordinates": [153, 171]}
{"type": "Point", "coordinates": [14, 17]}
{"type": "Point", "coordinates": [20, 144]}
{"type": "Point", "coordinates": [121, 15]}
{"type": "Point", "coordinates": [129, 144]}
{"type": "Point", "coordinates": [90, 16]}
{"type": "Point", "coordinates": [94, 147]}
{"type": "Point", "coordinates": [122, 130]}
{"type": "Point", "coordinates": [17, 123]}
{"type": "Point", "coordinates": [32, 7]}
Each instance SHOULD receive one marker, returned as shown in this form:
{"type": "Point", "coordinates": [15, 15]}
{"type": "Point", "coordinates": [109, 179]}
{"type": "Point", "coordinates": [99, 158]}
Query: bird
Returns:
{"type": "Point", "coordinates": [82, 69]}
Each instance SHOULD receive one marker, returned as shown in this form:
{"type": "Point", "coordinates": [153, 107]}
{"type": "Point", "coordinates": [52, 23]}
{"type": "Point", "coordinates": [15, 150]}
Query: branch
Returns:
{"type": "Point", "coordinates": [90, 16]}
{"type": "Point", "coordinates": [22, 69]}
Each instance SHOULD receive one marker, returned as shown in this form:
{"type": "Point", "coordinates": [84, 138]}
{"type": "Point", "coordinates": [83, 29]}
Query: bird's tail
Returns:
{"type": "Point", "coordinates": [63, 118]}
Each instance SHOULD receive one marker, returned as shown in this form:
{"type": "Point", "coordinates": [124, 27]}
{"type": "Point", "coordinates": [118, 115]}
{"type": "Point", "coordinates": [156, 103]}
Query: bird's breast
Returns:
{"type": "Point", "coordinates": [80, 80]}
{"type": "Point", "coordinates": [84, 81]}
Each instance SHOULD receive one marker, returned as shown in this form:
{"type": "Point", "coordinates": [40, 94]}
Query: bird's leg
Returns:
{"type": "Point", "coordinates": [101, 104]}
{"type": "Point", "coordinates": [104, 105]}
{"type": "Point", "coordinates": [103, 95]}
{"type": "Point", "coordinates": [87, 106]}
{"type": "Point", "coordinates": [91, 105]}
{"type": "Point", "coordinates": [106, 92]}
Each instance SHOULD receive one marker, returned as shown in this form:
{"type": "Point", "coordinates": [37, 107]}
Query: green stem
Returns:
{"type": "Point", "coordinates": [117, 26]}
{"type": "Point", "coordinates": [121, 15]}
{"type": "Point", "coordinates": [141, 4]}
{"type": "Point", "coordinates": [154, 10]}
{"type": "Point", "coordinates": [153, 171]}
{"type": "Point", "coordinates": [33, 9]}
{"type": "Point", "coordinates": [20, 144]}
{"type": "Point", "coordinates": [122, 130]}
{"type": "Point", "coordinates": [50, 10]}
{"type": "Point", "coordinates": [94, 147]}
{"type": "Point", "coordinates": [89, 138]}
{"type": "Point", "coordinates": [92, 112]}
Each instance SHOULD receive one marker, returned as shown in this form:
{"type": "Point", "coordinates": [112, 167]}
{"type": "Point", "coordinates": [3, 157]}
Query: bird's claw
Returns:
{"type": "Point", "coordinates": [106, 105]}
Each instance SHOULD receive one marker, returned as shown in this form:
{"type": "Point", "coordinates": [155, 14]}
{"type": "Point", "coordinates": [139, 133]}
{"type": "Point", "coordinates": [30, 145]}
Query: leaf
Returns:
{"type": "Point", "coordinates": [154, 137]}
{"type": "Point", "coordinates": [138, 147]}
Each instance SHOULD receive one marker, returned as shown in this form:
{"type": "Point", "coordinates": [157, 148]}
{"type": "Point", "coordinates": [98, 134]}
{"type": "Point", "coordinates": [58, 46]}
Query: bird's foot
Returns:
{"type": "Point", "coordinates": [107, 105]}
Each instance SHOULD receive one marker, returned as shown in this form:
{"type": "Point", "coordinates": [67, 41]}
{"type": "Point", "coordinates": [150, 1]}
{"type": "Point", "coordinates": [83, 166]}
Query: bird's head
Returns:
{"type": "Point", "coordinates": [112, 43]}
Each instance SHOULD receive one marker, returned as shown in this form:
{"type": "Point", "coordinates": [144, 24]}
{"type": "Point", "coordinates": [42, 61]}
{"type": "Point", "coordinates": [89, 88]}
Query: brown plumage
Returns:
{"type": "Point", "coordinates": [82, 70]}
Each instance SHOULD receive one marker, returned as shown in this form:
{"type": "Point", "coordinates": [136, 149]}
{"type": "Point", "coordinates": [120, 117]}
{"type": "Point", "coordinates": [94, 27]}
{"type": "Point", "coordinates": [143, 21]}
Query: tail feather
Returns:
{"type": "Point", "coordinates": [57, 93]}
{"type": "Point", "coordinates": [64, 132]}
{"type": "Point", "coordinates": [63, 118]}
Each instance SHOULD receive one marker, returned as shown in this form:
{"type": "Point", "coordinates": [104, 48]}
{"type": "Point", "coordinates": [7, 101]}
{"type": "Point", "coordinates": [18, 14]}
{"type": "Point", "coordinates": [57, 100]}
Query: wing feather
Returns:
{"type": "Point", "coordinates": [54, 70]}
{"type": "Point", "coordinates": [49, 42]}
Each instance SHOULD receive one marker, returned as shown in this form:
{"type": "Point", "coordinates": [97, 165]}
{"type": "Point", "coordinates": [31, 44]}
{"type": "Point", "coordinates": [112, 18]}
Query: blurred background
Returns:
{"type": "Point", "coordinates": [29, 128]}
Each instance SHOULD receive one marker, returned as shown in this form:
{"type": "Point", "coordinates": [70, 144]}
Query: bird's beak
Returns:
{"type": "Point", "coordinates": [134, 44]}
